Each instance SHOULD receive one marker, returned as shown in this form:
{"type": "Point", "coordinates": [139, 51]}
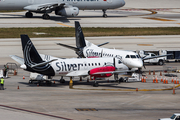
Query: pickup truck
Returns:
{"type": "Point", "coordinates": [158, 60]}
{"type": "Point", "coordinates": [175, 116]}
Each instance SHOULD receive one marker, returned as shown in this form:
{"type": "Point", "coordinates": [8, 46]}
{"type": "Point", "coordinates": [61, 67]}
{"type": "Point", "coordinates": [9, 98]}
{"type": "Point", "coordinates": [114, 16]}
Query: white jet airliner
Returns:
{"type": "Point", "coordinates": [53, 66]}
{"type": "Point", "coordinates": [61, 7]}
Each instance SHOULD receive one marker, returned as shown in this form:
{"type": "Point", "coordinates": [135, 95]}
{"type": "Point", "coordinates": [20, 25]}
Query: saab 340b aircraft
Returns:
{"type": "Point", "coordinates": [85, 48]}
{"type": "Point", "coordinates": [53, 66]}
{"type": "Point", "coordinates": [61, 7]}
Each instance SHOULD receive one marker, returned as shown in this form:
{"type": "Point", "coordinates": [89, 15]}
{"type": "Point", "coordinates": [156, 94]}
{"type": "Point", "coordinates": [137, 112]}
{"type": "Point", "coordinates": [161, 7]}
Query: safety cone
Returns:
{"type": "Point", "coordinates": [18, 87]}
{"type": "Point", "coordinates": [174, 81]}
{"type": "Point", "coordinates": [145, 79]}
{"type": "Point", "coordinates": [38, 85]}
{"type": "Point", "coordinates": [54, 82]}
{"type": "Point", "coordinates": [142, 79]}
{"type": "Point", "coordinates": [149, 72]}
{"type": "Point", "coordinates": [160, 73]}
{"type": "Point", "coordinates": [153, 72]}
{"type": "Point", "coordinates": [161, 79]}
{"type": "Point", "coordinates": [136, 89]}
{"type": "Point", "coordinates": [153, 80]}
{"type": "Point", "coordinates": [166, 81]}
{"type": "Point", "coordinates": [177, 81]}
{"type": "Point", "coordinates": [23, 77]}
{"type": "Point", "coordinates": [156, 80]}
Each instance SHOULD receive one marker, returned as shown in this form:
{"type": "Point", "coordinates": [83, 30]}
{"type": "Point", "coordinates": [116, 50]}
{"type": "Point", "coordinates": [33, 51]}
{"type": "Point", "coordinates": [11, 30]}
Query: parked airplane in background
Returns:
{"type": "Point", "coordinates": [53, 66]}
{"type": "Point", "coordinates": [86, 49]}
{"type": "Point", "coordinates": [61, 7]}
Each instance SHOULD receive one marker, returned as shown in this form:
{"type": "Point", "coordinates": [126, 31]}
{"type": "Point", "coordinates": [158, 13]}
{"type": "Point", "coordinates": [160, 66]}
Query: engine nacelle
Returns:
{"type": "Point", "coordinates": [102, 69]}
{"type": "Point", "coordinates": [69, 11]}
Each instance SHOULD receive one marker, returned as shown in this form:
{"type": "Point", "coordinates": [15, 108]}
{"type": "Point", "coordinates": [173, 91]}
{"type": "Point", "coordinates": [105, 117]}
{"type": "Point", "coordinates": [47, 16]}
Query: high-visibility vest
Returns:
{"type": "Point", "coordinates": [2, 81]}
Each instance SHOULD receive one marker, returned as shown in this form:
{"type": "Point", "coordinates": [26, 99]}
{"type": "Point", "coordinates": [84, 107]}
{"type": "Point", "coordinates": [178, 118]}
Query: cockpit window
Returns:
{"type": "Point", "coordinates": [133, 56]}
{"type": "Point", "coordinates": [137, 56]}
{"type": "Point", "coordinates": [153, 55]}
{"type": "Point", "coordinates": [127, 56]}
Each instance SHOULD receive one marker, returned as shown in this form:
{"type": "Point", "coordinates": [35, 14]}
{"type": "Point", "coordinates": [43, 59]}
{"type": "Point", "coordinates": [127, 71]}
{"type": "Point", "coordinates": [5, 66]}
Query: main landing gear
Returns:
{"type": "Point", "coordinates": [95, 84]}
{"type": "Point", "coordinates": [104, 13]}
{"type": "Point", "coordinates": [45, 16]}
{"type": "Point", "coordinates": [29, 14]}
{"type": "Point", "coordinates": [62, 80]}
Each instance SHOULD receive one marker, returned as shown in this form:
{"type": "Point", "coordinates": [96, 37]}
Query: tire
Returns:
{"type": "Point", "coordinates": [161, 62]}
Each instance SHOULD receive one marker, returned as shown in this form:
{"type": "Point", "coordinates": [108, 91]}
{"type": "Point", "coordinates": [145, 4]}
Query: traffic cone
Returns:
{"type": "Point", "coordinates": [54, 82]}
{"type": "Point", "coordinates": [38, 85]}
{"type": "Point", "coordinates": [153, 80]}
{"type": "Point", "coordinates": [156, 80]}
{"type": "Point", "coordinates": [18, 87]}
{"type": "Point", "coordinates": [161, 79]}
{"type": "Point", "coordinates": [142, 79]}
{"type": "Point", "coordinates": [174, 81]}
{"type": "Point", "coordinates": [23, 77]}
{"type": "Point", "coordinates": [177, 81]}
{"type": "Point", "coordinates": [149, 72]}
{"type": "Point", "coordinates": [166, 81]}
{"type": "Point", "coordinates": [160, 73]}
{"type": "Point", "coordinates": [174, 90]}
{"type": "Point", "coordinates": [153, 72]}
{"type": "Point", "coordinates": [136, 89]}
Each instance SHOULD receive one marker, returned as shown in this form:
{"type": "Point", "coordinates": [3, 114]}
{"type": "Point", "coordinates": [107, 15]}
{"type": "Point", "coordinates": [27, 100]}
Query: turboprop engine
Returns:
{"type": "Point", "coordinates": [68, 11]}
{"type": "Point", "coordinates": [94, 72]}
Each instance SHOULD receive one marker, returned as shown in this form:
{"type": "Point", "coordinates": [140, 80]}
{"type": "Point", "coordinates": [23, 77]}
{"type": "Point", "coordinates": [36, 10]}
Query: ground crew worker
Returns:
{"type": "Point", "coordinates": [5, 70]}
{"type": "Point", "coordinates": [2, 83]}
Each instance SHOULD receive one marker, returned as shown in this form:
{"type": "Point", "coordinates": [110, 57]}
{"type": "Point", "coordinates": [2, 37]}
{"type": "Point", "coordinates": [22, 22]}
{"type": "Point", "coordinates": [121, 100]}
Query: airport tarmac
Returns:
{"type": "Point", "coordinates": [109, 101]}
{"type": "Point", "coordinates": [136, 13]}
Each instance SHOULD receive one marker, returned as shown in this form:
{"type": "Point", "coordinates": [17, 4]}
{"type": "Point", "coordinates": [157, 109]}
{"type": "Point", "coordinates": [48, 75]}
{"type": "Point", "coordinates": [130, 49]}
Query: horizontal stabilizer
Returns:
{"type": "Point", "coordinates": [43, 63]}
{"type": "Point", "coordinates": [103, 44]}
{"type": "Point", "coordinates": [17, 59]}
{"type": "Point", "coordinates": [70, 47]}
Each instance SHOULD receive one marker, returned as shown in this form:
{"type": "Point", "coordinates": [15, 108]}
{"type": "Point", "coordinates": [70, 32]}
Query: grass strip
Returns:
{"type": "Point", "coordinates": [88, 32]}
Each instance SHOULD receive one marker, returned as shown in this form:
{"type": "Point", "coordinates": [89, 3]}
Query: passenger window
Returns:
{"type": "Point", "coordinates": [84, 64]}
{"type": "Point", "coordinates": [99, 64]}
{"type": "Point", "coordinates": [95, 64]}
{"type": "Point", "coordinates": [89, 64]}
{"type": "Point", "coordinates": [127, 56]}
{"type": "Point", "coordinates": [92, 64]}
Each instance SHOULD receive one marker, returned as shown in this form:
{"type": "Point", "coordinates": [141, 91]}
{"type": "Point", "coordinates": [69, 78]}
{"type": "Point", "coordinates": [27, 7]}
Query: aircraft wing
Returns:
{"type": "Point", "coordinates": [146, 58]}
{"type": "Point", "coordinates": [113, 72]}
{"type": "Point", "coordinates": [44, 7]}
{"type": "Point", "coordinates": [17, 59]}
{"type": "Point", "coordinates": [102, 44]}
{"type": "Point", "coordinates": [78, 73]}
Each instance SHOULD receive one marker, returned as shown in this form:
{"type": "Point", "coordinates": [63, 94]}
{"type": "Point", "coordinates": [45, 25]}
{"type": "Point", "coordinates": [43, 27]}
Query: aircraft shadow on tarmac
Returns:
{"type": "Point", "coordinates": [102, 83]}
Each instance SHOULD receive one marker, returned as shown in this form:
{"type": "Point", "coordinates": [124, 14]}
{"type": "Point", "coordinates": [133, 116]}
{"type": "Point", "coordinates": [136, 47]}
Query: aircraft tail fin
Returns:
{"type": "Point", "coordinates": [80, 41]}
{"type": "Point", "coordinates": [33, 60]}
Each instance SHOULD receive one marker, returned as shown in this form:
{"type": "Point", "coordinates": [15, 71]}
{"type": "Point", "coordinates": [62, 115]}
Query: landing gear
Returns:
{"type": "Point", "coordinates": [29, 15]}
{"type": "Point", "coordinates": [45, 16]}
{"type": "Point", "coordinates": [95, 84]}
{"type": "Point", "coordinates": [62, 80]}
{"type": "Point", "coordinates": [116, 77]}
{"type": "Point", "coordinates": [104, 13]}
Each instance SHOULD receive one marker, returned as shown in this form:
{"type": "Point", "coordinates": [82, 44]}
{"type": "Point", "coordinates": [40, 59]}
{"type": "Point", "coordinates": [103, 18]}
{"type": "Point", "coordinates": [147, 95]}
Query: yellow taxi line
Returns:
{"type": "Point", "coordinates": [64, 25]}
{"type": "Point", "coordinates": [160, 19]}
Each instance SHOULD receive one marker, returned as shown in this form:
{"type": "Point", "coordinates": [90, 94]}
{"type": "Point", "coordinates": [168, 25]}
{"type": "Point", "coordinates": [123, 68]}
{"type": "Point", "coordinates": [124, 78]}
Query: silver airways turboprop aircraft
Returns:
{"type": "Point", "coordinates": [61, 7]}
{"type": "Point", "coordinates": [53, 66]}
{"type": "Point", "coordinates": [86, 49]}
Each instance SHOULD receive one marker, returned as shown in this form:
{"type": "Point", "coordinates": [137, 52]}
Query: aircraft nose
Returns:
{"type": "Point", "coordinates": [139, 64]}
{"type": "Point", "coordinates": [123, 3]}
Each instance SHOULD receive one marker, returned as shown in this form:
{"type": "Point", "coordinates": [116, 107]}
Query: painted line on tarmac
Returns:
{"type": "Point", "coordinates": [34, 112]}
{"type": "Point", "coordinates": [129, 89]}
{"type": "Point", "coordinates": [159, 19]}
{"type": "Point", "coordinates": [145, 44]}
{"type": "Point", "coordinates": [64, 25]}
